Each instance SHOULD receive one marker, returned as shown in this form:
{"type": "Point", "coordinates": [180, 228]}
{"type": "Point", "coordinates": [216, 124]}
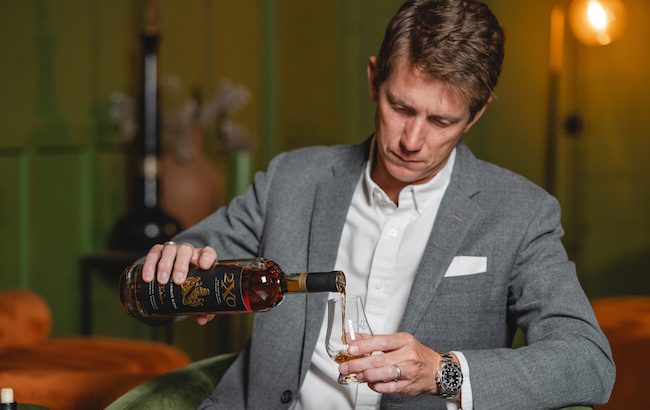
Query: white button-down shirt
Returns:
{"type": "Point", "coordinates": [380, 250]}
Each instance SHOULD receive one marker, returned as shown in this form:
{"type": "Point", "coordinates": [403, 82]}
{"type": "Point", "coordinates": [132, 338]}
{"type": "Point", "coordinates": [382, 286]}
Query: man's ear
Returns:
{"type": "Point", "coordinates": [372, 72]}
{"type": "Point", "coordinates": [477, 115]}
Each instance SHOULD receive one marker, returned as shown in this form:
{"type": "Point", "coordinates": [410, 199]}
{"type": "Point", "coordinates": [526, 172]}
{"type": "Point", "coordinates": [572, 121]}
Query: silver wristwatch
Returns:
{"type": "Point", "coordinates": [449, 377]}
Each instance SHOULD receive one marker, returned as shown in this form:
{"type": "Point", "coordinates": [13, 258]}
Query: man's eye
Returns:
{"type": "Point", "coordinates": [440, 123]}
{"type": "Point", "coordinates": [402, 110]}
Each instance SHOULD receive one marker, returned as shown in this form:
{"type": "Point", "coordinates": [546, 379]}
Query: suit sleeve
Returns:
{"type": "Point", "coordinates": [567, 359]}
{"type": "Point", "coordinates": [235, 231]}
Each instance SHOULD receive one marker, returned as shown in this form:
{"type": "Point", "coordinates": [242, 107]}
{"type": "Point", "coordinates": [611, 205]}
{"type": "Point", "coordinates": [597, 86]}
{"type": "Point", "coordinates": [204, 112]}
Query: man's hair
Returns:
{"type": "Point", "coordinates": [459, 42]}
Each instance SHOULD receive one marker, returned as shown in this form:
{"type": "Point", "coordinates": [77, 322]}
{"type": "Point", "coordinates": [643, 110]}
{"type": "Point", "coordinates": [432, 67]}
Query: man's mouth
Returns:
{"type": "Point", "coordinates": [406, 160]}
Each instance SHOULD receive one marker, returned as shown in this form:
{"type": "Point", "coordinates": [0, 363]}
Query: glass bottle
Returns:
{"type": "Point", "coordinates": [230, 287]}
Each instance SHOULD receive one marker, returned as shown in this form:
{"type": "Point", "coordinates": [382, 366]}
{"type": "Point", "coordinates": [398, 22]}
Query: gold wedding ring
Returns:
{"type": "Point", "coordinates": [170, 243]}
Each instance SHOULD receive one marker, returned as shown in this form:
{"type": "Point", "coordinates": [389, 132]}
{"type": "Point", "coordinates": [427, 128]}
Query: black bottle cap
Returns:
{"type": "Point", "coordinates": [325, 281]}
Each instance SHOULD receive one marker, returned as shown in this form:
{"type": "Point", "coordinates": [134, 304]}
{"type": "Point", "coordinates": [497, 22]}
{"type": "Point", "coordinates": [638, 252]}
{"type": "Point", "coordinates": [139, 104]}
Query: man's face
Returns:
{"type": "Point", "coordinates": [418, 122]}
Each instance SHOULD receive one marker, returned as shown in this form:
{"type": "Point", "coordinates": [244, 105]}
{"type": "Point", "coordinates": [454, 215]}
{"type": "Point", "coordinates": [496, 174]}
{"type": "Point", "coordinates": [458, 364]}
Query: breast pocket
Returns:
{"type": "Point", "coordinates": [473, 283]}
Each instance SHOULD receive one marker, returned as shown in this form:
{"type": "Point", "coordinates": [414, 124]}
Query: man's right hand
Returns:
{"type": "Point", "coordinates": [173, 260]}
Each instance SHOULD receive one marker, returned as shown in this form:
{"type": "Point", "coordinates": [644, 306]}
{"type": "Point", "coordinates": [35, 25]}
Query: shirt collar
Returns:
{"type": "Point", "coordinates": [420, 194]}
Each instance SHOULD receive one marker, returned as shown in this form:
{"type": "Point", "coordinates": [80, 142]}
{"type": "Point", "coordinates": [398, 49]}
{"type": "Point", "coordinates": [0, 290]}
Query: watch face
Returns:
{"type": "Point", "coordinates": [451, 378]}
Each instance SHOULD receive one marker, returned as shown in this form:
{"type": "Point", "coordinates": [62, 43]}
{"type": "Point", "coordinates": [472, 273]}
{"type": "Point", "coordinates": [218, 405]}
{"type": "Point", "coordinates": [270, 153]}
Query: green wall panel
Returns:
{"type": "Point", "coordinates": [109, 193]}
{"type": "Point", "coordinates": [114, 51]}
{"type": "Point", "coordinates": [308, 70]}
{"type": "Point", "coordinates": [11, 235]}
{"type": "Point", "coordinates": [17, 71]}
{"type": "Point", "coordinates": [372, 19]}
{"type": "Point", "coordinates": [72, 41]}
{"type": "Point", "coordinates": [323, 95]}
{"type": "Point", "coordinates": [511, 133]}
{"type": "Point", "coordinates": [182, 42]}
{"type": "Point", "coordinates": [233, 52]}
{"type": "Point", "coordinates": [54, 234]}
{"type": "Point", "coordinates": [362, 29]}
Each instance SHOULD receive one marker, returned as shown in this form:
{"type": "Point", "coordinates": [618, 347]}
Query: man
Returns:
{"type": "Point", "coordinates": [449, 253]}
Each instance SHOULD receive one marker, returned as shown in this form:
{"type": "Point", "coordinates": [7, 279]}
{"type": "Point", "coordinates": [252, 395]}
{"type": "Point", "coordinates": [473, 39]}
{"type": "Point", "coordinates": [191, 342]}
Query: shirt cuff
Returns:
{"type": "Point", "coordinates": [466, 388]}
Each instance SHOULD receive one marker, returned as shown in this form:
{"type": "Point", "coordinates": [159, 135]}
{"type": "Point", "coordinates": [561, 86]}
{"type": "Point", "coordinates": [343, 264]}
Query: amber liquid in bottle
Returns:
{"type": "Point", "coordinates": [230, 287]}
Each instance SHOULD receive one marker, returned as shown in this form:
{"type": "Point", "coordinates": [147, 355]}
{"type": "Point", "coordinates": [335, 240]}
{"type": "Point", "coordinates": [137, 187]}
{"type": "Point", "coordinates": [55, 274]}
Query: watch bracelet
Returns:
{"type": "Point", "coordinates": [447, 359]}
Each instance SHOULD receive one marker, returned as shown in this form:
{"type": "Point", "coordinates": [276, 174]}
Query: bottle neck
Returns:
{"type": "Point", "coordinates": [315, 282]}
{"type": "Point", "coordinates": [296, 282]}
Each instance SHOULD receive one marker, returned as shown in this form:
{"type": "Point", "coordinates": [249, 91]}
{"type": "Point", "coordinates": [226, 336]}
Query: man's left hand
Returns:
{"type": "Point", "coordinates": [417, 364]}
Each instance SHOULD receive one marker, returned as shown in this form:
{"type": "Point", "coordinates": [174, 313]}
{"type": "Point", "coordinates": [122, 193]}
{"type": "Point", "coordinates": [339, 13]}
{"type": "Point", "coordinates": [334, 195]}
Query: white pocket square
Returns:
{"type": "Point", "coordinates": [466, 265]}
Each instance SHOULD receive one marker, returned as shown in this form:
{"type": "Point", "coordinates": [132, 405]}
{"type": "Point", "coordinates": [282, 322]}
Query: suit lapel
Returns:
{"type": "Point", "coordinates": [456, 215]}
{"type": "Point", "coordinates": [331, 203]}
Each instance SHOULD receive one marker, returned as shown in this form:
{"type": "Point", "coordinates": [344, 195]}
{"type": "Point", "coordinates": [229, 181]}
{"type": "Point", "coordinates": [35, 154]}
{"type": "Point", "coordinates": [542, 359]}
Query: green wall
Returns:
{"type": "Point", "coordinates": [55, 156]}
{"type": "Point", "coordinates": [63, 165]}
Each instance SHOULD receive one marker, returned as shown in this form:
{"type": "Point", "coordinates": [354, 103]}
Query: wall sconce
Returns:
{"type": "Point", "coordinates": [593, 22]}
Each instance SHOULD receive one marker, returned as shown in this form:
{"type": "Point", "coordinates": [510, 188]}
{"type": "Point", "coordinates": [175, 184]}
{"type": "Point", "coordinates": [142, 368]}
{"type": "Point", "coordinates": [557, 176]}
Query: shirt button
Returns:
{"type": "Point", "coordinates": [286, 396]}
{"type": "Point", "coordinates": [392, 232]}
{"type": "Point", "coordinates": [379, 285]}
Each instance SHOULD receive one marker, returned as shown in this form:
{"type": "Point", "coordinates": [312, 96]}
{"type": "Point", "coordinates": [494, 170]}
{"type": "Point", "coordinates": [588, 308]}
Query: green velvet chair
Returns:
{"type": "Point", "coordinates": [185, 388]}
{"type": "Point", "coordinates": [180, 389]}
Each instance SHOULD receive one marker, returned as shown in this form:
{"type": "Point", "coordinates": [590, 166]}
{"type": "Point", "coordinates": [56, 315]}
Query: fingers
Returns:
{"type": "Point", "coordinates": [166, 262]}
{"type": "Point", "coordinates": [385, 374]}
{"type": "Point", "coordinates": [380, 343]}
{"type": "Point", "coordinates": [172, 261]}
{"type": "Point", "coordinates": [363, 364]}
{"type": "Point", "coordinates": [412, 378]}
{"type": "Point", "coordinates": [203, 319]}
{"type": "Point", "coordinates": [150, 262]}
{"type": "Point", "coordinates": [182, 262]}
{"type": "Point", "coordinates": [406, 366]}
{"type": "Point", "coordinates": [381, 374]}
{"type": "Point", "coordinates": [399, 386]}
{"type": "Point", "coordinates": [205, 257]}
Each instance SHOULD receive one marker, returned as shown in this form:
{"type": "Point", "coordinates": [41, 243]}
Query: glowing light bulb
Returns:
{"type": "Point", "coordinates": [597, 15]}
{"type": "Point", "coordinates": [596, 22]}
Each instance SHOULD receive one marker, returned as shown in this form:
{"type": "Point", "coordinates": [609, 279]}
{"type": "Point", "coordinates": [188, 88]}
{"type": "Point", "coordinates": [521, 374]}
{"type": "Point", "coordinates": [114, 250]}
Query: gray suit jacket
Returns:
{"type": "Point", "coordinates": [294, 215]}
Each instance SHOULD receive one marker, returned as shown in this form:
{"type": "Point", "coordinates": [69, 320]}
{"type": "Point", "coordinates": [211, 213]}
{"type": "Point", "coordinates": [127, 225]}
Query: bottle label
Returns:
{"type": "Point", "coordinates": [215, 290]}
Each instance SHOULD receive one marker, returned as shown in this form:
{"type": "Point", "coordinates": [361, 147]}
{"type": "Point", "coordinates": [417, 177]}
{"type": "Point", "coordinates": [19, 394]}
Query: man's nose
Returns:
{"type": "Point", "coordinates": [413, 135]}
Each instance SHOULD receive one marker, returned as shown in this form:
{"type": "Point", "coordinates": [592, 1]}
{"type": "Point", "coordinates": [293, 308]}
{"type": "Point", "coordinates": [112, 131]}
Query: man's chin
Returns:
{"type": "Point", "coordinates": [407, 177]}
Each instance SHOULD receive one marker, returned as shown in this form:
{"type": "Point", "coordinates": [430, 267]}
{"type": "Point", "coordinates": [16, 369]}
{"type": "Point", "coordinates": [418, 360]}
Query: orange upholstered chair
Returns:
{"type": "Point", "coordinates": [71, 373]}
{"type": "Point", "coordinates": [626, 323]}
